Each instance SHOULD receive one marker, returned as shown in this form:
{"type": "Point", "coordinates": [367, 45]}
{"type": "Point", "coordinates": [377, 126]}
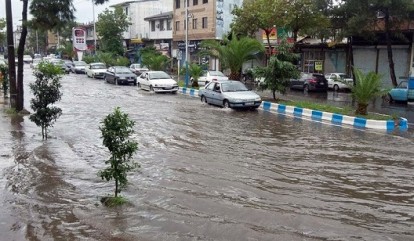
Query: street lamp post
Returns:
{"type": "Point", "coordinates": [186, 43]}
{"type": "Point", "coordinates": [94, 27]}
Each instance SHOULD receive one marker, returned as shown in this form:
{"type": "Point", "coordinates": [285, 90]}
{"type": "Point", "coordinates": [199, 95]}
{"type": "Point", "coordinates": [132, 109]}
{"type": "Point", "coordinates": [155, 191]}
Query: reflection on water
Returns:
{"type": "Point", "coordinates": [206, 174]}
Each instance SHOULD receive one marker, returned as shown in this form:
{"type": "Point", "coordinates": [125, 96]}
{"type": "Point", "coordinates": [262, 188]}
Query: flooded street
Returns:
{"type": "Point", "coordinates": [206, 174]}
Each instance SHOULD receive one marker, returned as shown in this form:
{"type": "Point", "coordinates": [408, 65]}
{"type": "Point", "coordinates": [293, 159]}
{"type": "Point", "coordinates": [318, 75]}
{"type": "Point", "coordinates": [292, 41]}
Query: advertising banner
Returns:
{"type": "Point", "coordinates": [79, 39]}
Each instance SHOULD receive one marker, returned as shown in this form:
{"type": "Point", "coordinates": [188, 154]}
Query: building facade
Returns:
{"type": "Point", "coordinates": [161, 32]}
{"type": "Point", "coordinates": [207, 19]}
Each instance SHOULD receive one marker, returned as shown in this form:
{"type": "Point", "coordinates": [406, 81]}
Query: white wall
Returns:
{"type": "Point", "coordinates": [158, 34]}
{"type": "Point", "coordinates": [139, 10]}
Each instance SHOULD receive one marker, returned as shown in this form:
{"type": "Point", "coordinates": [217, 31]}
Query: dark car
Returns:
{"type": "Point", "coordinates": [310, 82]}
{"type": "Point", "coordinates": [120, 75]}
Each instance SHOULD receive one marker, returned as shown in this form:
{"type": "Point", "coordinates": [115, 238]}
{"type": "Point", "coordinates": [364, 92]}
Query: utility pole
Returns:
{"type": "Point", "coordinates": [37, 43]}
{"type": "Point", "coordinates": [11, 56]}
{"type": "Point", "coordinates": [94, 27]}
{"type": "Point", "coordinates": [186, 43]}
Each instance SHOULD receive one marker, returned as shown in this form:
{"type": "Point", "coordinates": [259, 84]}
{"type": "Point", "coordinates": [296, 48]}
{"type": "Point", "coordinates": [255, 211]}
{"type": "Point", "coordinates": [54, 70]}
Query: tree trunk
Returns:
{"type": "Point", "coordinates": [389, 47]}
{"type": "Point", "coordinates": [116, 187]}
{"type": "Point", "coordinates": [11, 56]}
{"type": "Point", "coordinates": [362, 109]}
{"type": "Point", "coordinates": [20, 52]}
{"type": "Point", "coordinates": [234, 76]}
{"type": "Point", "coordinates": [274, 94]}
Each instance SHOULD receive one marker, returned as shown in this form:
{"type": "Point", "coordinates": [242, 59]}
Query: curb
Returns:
{"type": "Point", "coordinates": [320, 116]}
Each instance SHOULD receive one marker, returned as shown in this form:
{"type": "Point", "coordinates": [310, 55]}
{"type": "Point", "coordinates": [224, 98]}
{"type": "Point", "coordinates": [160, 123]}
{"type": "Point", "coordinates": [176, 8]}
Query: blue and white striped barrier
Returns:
{"type": "Point", "coordinates": [320, 116]}
{"type": "Point", "coordinates": [335, 119]}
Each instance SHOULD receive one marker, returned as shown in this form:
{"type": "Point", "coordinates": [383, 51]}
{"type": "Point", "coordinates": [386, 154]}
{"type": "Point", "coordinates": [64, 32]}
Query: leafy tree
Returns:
{"type": "Point", "coordinates": [2, 34]}
{"type": "Point", "coordinates": [106, 58]}
{"type": "Point", "coordinates": [259, 14]}
{"type": "Point", "coordinates": [280, 70]}
{"type": "Point", "coordinates": [116, 130]}
{"type": "Point", "coordinates": [370, 16]}
{"type": "Point", "coordinates": [33, 41]}
{"type": "Point", "coordinates": [111, 25]}
{"type": "Point", "coordinates": [233, 53]}
{"type": "Point", "coordinates": [367, 87]}
{"type": "Point", "coordinates": [46, 91]}
{"type": "Point", "coordinates": [4, 78]}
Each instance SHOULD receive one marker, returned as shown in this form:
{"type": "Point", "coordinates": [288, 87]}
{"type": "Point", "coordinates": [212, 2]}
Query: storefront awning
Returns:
{"type": "Point", "coordinates": [136, 41]}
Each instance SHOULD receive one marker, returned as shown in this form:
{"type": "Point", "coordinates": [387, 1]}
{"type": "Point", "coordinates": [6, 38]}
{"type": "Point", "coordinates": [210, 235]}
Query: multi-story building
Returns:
{"type": "Point", "coordinates": [137, 11]}
{"type": "Point", "coordinates": [161, 31]}
{"type": "Point", "coordinates": [207, 19]}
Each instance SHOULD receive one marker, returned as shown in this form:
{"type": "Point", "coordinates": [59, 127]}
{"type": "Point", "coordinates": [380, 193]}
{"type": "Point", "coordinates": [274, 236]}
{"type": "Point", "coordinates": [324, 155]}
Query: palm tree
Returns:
{"type": "Point", "coordinates": [367, 87]}
{"type": "Point", "coordinates": [233, 53]}
{"type": "Point", "coordinates": [155, 61]}
{"type": "Point", "coordinates": [195, 72]}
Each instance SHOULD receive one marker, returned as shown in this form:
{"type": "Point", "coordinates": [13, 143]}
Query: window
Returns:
{"type": "Point", "coordinates": [177, 26]}
{"type": "Point", "coordinates": [177, 3]}
{"type": "Point", "coordinates": [152, 26]}
{"type": "Point", "coordinates": [194, 23]}
{"type": "Point", "coordinates": [195, 2]}
{"type": "Point", "coordinates": [162, 25]}
{"type": "Point", "coordinates": [204, 24]}
{"type": "Point", "coordinates": [205, 1]}
{"type": "Point", "coordinates": [169, 24]}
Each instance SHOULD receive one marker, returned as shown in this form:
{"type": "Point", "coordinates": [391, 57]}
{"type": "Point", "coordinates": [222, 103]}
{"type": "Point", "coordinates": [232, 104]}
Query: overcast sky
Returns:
{"type": "Point", "coordinates": [84, 10]}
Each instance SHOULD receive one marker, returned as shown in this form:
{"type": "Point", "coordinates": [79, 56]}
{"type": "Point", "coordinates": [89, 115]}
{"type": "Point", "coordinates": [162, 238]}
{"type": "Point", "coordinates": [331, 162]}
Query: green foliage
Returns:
{"type": "Point", "coordinates": [51, 14]}
{"type": "Point", "coordinates": [116, 130]}
{"type": "Point", "coordinates": [233, 53]}
{"type": "Point", "coordinates": [4, 78]}
{"type": "Point", "coordinates": [110, 26]}
{"type": "Point", "coordinates": [155, 61]}
{"type": "Point", "coordinates": [195, 71]}
{"type": "Point", "coordinates": [2, 33]}
{"type": "Point", "coordinates": [122, 61]}
{"type": "Point", "coordinates": [280, 69]}
{"type": "Point", "coordinates": [106, 58]}
{"type": "Point", "coordinates": [367, 87]}
{"type": "Point", "coordinates": [90, 59]}
{"type": "Point", "coordinates": [113, 201]}
{"type": "Point", "coordinates": [46, 91]}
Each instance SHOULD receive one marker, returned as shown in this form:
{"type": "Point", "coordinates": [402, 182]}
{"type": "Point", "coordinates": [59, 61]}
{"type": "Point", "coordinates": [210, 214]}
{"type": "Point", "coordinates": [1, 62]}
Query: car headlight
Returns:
{"type": "Point", "coordinates": [258, 99]}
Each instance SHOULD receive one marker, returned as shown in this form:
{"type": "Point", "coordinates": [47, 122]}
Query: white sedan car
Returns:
{"type": "Point", "coordinates": [157, 81]}
{"type": "Point", "coordinates": [95, 70]}
{"type": "Point", "coordinates": [210, 76]}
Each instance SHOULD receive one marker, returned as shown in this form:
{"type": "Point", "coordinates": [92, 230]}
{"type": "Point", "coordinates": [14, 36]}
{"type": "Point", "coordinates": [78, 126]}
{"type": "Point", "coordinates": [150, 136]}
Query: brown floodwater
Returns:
{"type": "Point", "coordinates": [206, 174]}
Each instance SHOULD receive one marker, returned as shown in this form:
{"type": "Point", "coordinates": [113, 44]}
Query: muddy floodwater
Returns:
{"type": "Point", "coordinates": [206, 174]}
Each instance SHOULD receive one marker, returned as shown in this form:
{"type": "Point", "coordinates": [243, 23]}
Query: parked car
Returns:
{"type": "Point", "coordinates": [27, 59]}
{"type": "Point", "coordinates": [209, 76]}
{"type": "Point", "coordinates": [120, 75]}
{"type": "Point", "coordinates": [310, 82]}
{"type": "Point", "coordinates": [138, 69]}
{"type": "Point", "coordinates": [400, 93]}
{"type": "Point", "coordinates": [78, 67]}
{"type": "Point", "coordinates": [95, 70]}
{"type": "Point", "coordinates": [61, 64]}
{"type": "Point", "coordinates": [157, 81]}
{"type": "Point", "coordinates": [338, 81]}
{"type": "Point", "coordinates": [229, 94]}
{"type": "Point", "coordinates": [68, 63]}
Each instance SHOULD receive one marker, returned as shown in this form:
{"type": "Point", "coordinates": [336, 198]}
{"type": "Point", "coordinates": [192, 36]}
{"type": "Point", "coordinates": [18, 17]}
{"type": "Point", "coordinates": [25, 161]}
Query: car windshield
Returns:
{"type": "Point", "coordinates": [342, 76]}
{"type": "Point", "coordinates": [159, 75]}
{"type": "Point", "coordinates": [122, 70]}
{"type": "Point", "coordinates": [98, 66]}
{"type": "Point", "coordinates": [217, 73]}
{"type": "Point", "coordinates": [233, 87]}
{"type": "Point", "coordinates": [79, 63]}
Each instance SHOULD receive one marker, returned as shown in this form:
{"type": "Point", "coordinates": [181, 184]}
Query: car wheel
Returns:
{"type": "Point", "coordinates": [203, 99]}
{"type": "Point", "coordinates": [336, 88]}
{"type": "Point", "coordinates": [226, 104]}
{"type": "Point", "coordinates": [116, 81]}
{"type": "Point", "coordinates": [306, 88]}
{"type": "Point", "coordinates": [387, 98]}
{"type": "Point", "coordinates": [139, 85]}
{"type": "Point", "coordinates": [151, 89]}
{"type": "Point", "coordinates": [135, 83]}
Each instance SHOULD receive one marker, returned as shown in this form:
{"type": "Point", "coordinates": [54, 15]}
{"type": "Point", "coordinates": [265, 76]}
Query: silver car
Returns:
{"type": "Point", "coordinates": [229, 94]}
